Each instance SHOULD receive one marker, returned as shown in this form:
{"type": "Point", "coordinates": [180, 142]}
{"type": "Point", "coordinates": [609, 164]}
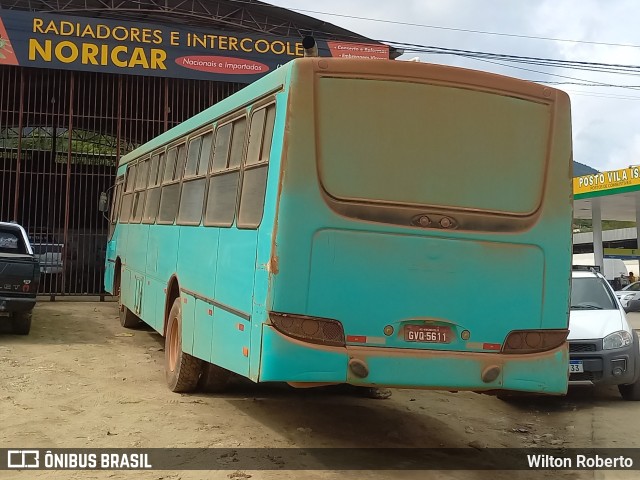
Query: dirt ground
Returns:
{"type": "Point", "coordinates": [81, 380]}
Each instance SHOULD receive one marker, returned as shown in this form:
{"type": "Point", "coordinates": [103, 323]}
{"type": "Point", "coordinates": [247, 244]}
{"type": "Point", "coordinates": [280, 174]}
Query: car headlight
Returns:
{"type": "Point", "coordinates": [627, 297]}
{"type": "Point", "coordinates": [616, 340]}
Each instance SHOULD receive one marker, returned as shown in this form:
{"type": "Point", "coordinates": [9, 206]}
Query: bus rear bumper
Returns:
{"type": "Point", "coordinates": [288, 360]}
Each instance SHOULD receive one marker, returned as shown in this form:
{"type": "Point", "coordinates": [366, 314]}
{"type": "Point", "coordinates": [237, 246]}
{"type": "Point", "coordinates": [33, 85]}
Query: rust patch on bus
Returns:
{"type": "Point", "coordinates": [357, 351]}
{"type": "Point", "coordinates": [482, 359]}
{"type": "Point", "coordinates": [272, 265]}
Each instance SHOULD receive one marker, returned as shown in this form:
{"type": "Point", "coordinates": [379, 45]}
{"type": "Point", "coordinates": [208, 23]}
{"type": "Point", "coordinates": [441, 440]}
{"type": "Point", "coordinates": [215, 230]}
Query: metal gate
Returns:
{"type": "Point", "coordinates": [61, 136]}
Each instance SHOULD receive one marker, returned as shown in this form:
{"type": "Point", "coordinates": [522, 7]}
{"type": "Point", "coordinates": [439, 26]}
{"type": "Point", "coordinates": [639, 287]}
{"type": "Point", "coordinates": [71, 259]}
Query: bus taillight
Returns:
{"type": "Point", "coordinates": [309, 329]}
{"type": "Point", "coordinates": [534, 341]}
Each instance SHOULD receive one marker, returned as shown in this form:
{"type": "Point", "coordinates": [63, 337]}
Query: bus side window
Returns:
{"type": "Point", "coordinates": [205, 153]}
{"type": "Point", "coordinates": [115, 204]}
{"type": "Point", "coordinates": [140, 191]}
{"type": "Point", "coordinates": [180, 162]}
{"type": "Point", "coordinates": [170, 193]}
{"type": "Point", "coordinates": [254, 180]}
{"type": "Point", "coordinates": [223, 180]}
{"type": "Point", "coordinates": [194, 183]}
{"type": "Point", "coordinates": [193, 154]}
{"type": "Point", "coordinates": [170, 166]}
{"type": "Point", "coordinates": [156, 171]}
{"type": "Point", "coordinates": [117, 198]}
{"type": "Point", "coordinates": [127, 199]}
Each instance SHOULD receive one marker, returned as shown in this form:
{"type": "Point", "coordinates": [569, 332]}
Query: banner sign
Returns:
{"type": "Point", "coordinates": [622, 253]}
{"type": "Point", "coordinates": [602, 181]}
{"type": "Point", "coordinates": [43, 40]}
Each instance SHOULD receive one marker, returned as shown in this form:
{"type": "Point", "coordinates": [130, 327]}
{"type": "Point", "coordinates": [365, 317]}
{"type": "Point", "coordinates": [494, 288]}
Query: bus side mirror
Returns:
{"type": "Point", "coordinates": [103, 203]}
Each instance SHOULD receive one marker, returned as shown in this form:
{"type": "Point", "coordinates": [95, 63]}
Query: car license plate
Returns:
{"type": "Point", "coordinates": [427, 334]}
{"type": "Point", "coordinates": [575, 366]}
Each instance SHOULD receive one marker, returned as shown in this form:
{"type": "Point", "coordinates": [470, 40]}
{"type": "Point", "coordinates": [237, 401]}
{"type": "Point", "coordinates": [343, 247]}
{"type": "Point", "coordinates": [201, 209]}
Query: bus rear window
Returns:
{"type": "Point", "coordinates": [421, 144]}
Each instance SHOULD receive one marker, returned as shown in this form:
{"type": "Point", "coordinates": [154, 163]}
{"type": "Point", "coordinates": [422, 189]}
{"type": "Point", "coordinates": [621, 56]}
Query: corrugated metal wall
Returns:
{"type": "Point", "coordinates": [61, 136]}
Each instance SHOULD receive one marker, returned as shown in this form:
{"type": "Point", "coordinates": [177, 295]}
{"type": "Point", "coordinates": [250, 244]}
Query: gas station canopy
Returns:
{"type": "Point", "coordinates": [615, 191]}
{"type": "Point", "coordinates": [612, 195]}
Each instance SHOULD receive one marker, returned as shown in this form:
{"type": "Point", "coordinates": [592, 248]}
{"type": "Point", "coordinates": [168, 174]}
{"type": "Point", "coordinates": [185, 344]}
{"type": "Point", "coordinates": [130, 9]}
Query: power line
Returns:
{"type": "Point", "coordinates": [453, 29]}
{"type": "Point", "coordinates": [632, 70]}
{"type": "Point", "coordinates": [490, 57]}
{"type": "Point", "coordinates": [414, 47]}
{"type": "Point", "coordinates": [493, 58]}
{"type": "Point", "coordinates": [581, 84]}
{"type": "Point", "coordinates": [593, 83]}
{"type": "Point", "coordinates": [613, 97]}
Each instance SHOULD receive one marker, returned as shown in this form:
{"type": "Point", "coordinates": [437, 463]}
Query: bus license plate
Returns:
{"type": "Point", "coordinates": [427, 334]}
{"type": "Point", "coordinates": [575, 366]}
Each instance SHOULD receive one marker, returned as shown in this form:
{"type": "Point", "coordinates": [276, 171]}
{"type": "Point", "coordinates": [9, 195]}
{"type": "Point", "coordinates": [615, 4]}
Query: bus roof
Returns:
{"type": "Point", "coordinates": [339, 66]}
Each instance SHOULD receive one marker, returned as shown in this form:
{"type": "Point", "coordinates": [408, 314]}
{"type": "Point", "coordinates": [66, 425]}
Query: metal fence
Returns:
{"type": "Point", "coordinates": [61, 136]}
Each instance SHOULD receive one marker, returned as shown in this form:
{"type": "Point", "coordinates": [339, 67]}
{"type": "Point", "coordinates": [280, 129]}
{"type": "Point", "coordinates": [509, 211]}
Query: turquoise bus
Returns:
{"type": "Point", "coordinates": [365, 222]}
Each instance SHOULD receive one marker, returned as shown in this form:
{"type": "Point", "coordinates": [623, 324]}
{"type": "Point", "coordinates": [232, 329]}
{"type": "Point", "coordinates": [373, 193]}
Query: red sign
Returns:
{"type": "Point", "coordinates": [7, 56]}
{"type": "Point", "coordinates": [226, 65]}
{"type": "Point", "coordinates": [358, 50]}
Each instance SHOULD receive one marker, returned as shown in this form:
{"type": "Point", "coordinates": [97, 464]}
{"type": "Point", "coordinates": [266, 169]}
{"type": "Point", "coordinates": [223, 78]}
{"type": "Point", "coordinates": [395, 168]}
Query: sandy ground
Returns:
{"type": "Point", "coordinates": [81, 380]}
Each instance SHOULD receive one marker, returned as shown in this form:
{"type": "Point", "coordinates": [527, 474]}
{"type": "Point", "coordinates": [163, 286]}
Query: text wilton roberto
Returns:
{"type": "Point", "coordinates": [578, 462]}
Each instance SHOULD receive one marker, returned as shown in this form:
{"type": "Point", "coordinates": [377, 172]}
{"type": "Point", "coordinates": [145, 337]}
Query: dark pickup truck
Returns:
{"type": "Point", "coordinates": [19, 277]}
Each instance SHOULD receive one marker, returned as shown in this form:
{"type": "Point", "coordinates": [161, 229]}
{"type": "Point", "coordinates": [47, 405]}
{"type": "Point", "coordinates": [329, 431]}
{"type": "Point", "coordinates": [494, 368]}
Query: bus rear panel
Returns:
{"type": "Point", "coordinates": [423, 230]}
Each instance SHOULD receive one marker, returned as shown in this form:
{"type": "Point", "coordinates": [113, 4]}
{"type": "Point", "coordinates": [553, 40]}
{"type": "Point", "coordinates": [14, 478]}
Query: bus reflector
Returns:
{"type": "Point", "coordinates": [240, 327]}
{"type": "Point", "coordinates": [245, 351]}
{"type": "Point", "coordinates": [309, 329]}
{"type": "Point", "coordinates": [491, 346]}
{"type": "Point", "coordinates": [534, 341]}
{"type": "Point", "coordinates": [356, 338]}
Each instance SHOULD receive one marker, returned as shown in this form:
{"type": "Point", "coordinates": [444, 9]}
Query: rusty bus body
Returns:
{"type": "Point", "coordinates": [378, 223]}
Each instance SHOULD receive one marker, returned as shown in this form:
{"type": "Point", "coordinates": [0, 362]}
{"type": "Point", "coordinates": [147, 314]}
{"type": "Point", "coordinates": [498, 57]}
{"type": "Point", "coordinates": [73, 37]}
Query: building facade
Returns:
{"type": "Point", "coordinates": [84, 82]}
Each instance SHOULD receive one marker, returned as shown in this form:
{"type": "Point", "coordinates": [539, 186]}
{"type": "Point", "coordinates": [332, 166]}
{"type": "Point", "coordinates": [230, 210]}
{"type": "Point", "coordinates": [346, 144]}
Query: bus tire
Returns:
{"type": "Point", "coordinates": [182, 370]}
{"type": "Point", "coordinates": [214, 379]}
{"type": "Point", "coordinates": [128, 319]}
{"type": "Point", "coordinates": [21, 323]}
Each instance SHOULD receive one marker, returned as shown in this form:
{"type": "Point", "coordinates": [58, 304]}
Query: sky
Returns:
{"type": "Point", "coordinates": [606, 120]}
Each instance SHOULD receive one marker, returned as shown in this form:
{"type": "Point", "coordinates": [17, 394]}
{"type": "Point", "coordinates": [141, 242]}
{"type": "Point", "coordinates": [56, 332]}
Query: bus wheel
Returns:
{"type": "Point", "coordinates": [214, 378]}
{"type": "Point", "coordinates": [181, 369]}
{"type": "Point", "coordinates": [128, 319]}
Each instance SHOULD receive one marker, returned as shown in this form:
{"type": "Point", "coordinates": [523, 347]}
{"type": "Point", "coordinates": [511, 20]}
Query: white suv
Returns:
{"type": "Point", "coordinates": [603, 349]}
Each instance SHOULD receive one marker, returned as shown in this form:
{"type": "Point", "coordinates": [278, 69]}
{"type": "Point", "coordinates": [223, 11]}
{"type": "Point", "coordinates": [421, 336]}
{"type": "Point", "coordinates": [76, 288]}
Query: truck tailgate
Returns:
{"type": "Point", "coordinates": [19, 274]}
